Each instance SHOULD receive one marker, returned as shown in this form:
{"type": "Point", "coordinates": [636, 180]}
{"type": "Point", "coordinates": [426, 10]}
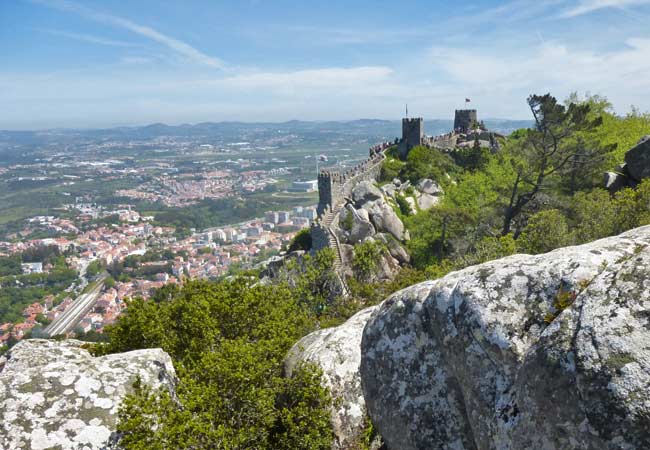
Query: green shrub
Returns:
{"type": "Point", "coordinates": [390, 169]}
{"type": "Point", "coordinates": [404, 206]}
{"type": "Point", "coordinates": [366, 258]}
{"type": "Point", "coordinates": [546, 231]}
{"type": "Point", "coordinates": [228, 341]}
{"type": "Point", "coordinates": [301, 241]}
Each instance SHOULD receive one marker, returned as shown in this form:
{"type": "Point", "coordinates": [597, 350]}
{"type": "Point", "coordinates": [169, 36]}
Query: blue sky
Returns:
{"type": "Point", "coordinates": [91, 63]}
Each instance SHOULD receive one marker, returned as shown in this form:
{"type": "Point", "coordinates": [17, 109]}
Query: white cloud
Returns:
{"type": "Point", "coordinates": [88, 38]}
{"type": "Point", "coordinates": [177, 46]}
{"type": "Point", "coordinates": [589, 6]}
{"type": "Point", "coordinates": [503, 80]}
{"type": "Point", "coordinates": [326, 78]}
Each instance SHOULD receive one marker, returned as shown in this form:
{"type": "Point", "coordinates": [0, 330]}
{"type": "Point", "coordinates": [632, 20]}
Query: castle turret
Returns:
{"type": "Point", "coordinates": [412, 135]}
{"type": "Point", "coordinates": [464, 119]}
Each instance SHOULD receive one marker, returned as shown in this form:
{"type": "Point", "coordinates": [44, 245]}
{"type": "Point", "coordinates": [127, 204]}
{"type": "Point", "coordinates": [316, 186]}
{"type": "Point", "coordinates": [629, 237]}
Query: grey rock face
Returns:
{"type": "Point", "coordinates": [428, 186]}
{"type": "Point", "coordinates": [637, 159]}
{"type": "Point", "coordinates": [338, 352]}
{"type": "Point", "coordinates": [361, 227]}
{"type": "Point", "coordinates": [385, 219]}
{"type": "Point", "coordinates": [56, 395]}
{"type": "Point", "coordinates": [365, 192]}
{"type": "Point", "coordinates": [427, 201]}
{"type": "Point", "coordinates": [614, 181]}
{"type": "Point", "coordinates": [484, 358]}
{"type": "Point", "coordinates": [394, 248]}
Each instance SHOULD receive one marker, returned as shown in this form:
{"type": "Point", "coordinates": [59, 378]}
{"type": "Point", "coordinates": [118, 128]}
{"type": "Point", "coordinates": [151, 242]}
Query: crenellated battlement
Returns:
{"type": "Point", "coordinates": [464, 119]}
{"type": "Point", "coordinates": [334, 185]}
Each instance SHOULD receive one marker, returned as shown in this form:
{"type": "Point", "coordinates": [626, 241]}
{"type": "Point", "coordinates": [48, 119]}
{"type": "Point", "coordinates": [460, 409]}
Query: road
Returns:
{"type": "Point", "coordinates": [76, 311]}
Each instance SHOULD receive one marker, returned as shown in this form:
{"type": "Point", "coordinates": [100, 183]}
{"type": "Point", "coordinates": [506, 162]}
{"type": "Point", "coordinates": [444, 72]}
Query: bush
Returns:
{"type": "Point", "coordinates": [228, 341]}
{"type": "Point", "coordinates": [390, 169]}
{"type": "Point", "coordinates": [404, 206]}
{"type": "Point", "coordinates": [423, 162]}
{"type": "Point", "coordinates": [366, 257]}
{"type": "Point", "coordinates": [301, 241]}
{"type": "Point", "coordinates": [546, 231]}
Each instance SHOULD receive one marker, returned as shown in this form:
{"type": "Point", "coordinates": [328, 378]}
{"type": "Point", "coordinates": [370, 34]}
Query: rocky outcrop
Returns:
{"type": "Point", "coordinates": [384, 218]}
{"type": "Point", "coordinates": [337, 352]}
{"type": "Point", "coordinates": [369, 216]}
{"type": "Point", "coordinates": [365, 192]}
{"type": "Point", "coordinates": [428, 186]}
{"type": "Point", "coordinates": [528, 352]}
{"type": "Point", "coordinates": [394, 248]}
{"type": "Point", "coordinates": [637, 159]}
{"type": "Point", "coordinates": [56, 395]}
{"type": "Point", "coordinates": [359, 224]}
{"type": "Point", "coordinates": [633, 171]}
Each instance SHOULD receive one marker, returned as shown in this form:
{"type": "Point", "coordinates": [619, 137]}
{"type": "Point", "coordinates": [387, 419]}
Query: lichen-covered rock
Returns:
{"type": "Point", "coordinates": [337, 351]}
{"type": "Point", "coordinates": [428, 186]}
{"type": "Point", "coordinates": [547, 352]}
{"type": "Point", "coordinates": [426, 201]}
{"type": "Point", "coordinates": [359, 223]}
{"type": "Point", "coordinates": [394, 248]}
{"type": "Point", "coordinates": [365, 192]}
{"type": "Point", "coordinates": [637, 159]}
{"type": "Point", "coordinates": [384, 218]}
{"type": "Point", "coordinates": [55, 395]}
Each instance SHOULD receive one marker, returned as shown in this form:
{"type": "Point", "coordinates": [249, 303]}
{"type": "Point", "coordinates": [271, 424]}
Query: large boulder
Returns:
{"type": "Point", "coordinates": [528, 352]}
{"type": "Point", "coordinates": [359, 224]}
{"type": "Point", "coordinates": [428, 186]}
{"type": "Point", "coordinates": [614, 182]}
{"type": "Point", "coordinates": [394, 248]}
{"type": "Point", "coordinates": [56, 395]}
{"type": "Point", "coordinates": [384, 218]}
{"type": "Point", "coordinates": [637, 159]}
{"type": "Point", "coordinates": [337, 351]}
{"type": "Point", "coordinates": [365, 192]}
{"type": "Point", "coordinates": [427, 201]}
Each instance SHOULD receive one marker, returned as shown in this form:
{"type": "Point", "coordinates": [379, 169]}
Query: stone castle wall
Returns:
{"type": "Point", "coordinates": [463, 119]}
{"type": "Point", "coordinates": [334, 186]}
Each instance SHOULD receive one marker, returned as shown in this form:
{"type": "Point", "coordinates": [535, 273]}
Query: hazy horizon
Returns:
{"type": "Point", "coordinates": [250, 122]}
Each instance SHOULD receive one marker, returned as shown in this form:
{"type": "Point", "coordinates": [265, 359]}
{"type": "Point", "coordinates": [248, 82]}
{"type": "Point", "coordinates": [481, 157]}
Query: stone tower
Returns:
{"type": "Point", "coordinates": [412, 135]}
{"type": "Point", "coordinates": [464, 119]}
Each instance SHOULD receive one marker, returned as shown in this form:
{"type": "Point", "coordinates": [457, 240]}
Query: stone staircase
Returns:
{"type": "Point", "coordinates": [327, 219]}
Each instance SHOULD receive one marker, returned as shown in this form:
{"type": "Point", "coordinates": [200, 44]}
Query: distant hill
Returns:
{"type": "Point", "coordinates": [225, 130]}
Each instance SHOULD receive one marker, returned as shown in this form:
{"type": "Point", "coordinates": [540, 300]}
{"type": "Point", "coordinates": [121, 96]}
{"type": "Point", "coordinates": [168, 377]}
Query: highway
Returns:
{"type": "Point", "coordinates": [76, 311]}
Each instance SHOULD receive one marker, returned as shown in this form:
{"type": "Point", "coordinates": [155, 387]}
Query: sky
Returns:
{"type": "Point", "coordinates": [92, 63]}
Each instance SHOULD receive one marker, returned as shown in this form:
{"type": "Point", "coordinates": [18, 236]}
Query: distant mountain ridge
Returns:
{"type": "Point", "coordinates": [226, 129]}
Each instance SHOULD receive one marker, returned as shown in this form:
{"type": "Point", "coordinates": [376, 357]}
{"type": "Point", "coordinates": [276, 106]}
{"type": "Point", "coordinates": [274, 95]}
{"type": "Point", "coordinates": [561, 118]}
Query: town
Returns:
{"type": "Point", "coordinates": [161, 256]}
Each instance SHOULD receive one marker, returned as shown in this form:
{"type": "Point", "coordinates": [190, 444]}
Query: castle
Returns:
{"type": "Point", "coordinates": [334, 187]}
{"type": "Point", "coordinates": [465, 120]}
{"type": "Point", "coordinates": [467, 128]}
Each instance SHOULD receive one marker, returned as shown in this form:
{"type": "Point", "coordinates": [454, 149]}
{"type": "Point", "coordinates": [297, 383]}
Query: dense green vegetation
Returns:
{"type": "Point", "coordinates": [214, 213]}
{"type": "Point", "coordinates": [228, 341]}
{"type": "Point", "coordinates": [19, 291]}
{"type": "Point", "coordinates": [142, 266]}
{"type": "Point", "coordinates": [539, 192]}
